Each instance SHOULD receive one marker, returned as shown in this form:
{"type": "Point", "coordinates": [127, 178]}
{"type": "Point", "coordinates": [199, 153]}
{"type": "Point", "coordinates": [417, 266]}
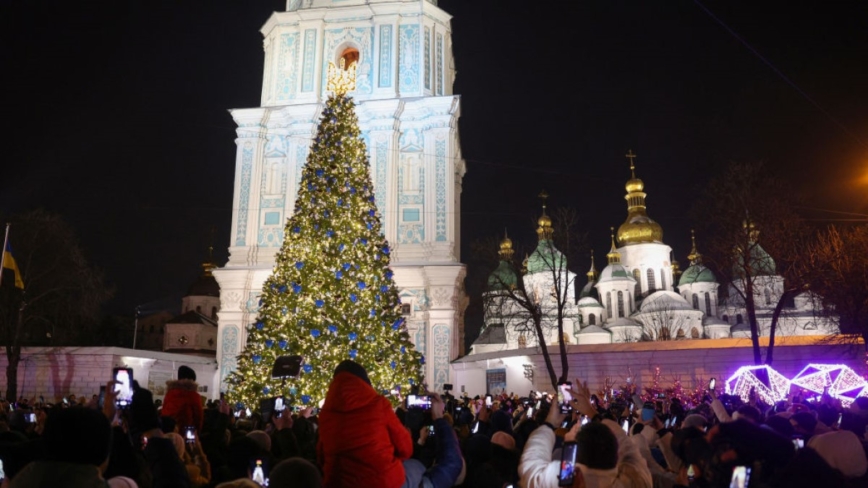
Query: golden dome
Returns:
{"type": "Point", "coordinates": [506, 250]}
{"type": "Point", "coordinates": [634, 185]}
{"type": "Point", "coordinates": [638, 227]}
{"type": "Point", "coordinates": [544, 221]}
{"type": "Point", "coordinates": [544, 230]}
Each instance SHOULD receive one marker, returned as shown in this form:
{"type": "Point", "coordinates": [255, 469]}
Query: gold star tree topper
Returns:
{"type": "Point", "coordinates": [341, 79]}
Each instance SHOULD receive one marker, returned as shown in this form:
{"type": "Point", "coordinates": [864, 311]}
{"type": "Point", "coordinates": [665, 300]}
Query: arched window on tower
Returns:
{"type": "Point", "coordinates": [695, 301]}
{"type": "Point", "coordinates": [214, 313]}
{"type": "Point", "coordinates": [725, 318]}
{"type": "Point", "coordinates": [350, 55]}
{"type": "Point", "coordinates": [609, 304]}
{"type": "Point", "coordinates": [620, 304]}
{"type": "Point", "coordinates": [662, 279]}
{"type": "Point", "coordinates": [768, 295]}
{"type": "Point", "coordinates": [198, 309]}
{"type": "Point", "coordinates": [739, 319]}
{"type": "Point", "coordinates": [707, 303]}
{"type": "Point", "coordinates": [592, 319]}
{"type": "Point", "coordinates": [652, 286]}
{"type": "Point", "coordinates": [632, 305]}
{"type": "Point", "coordinates": [637, 275]}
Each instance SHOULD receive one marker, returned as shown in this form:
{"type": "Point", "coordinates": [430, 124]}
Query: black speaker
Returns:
{"type": "Point", "coordinates": [287, 366]}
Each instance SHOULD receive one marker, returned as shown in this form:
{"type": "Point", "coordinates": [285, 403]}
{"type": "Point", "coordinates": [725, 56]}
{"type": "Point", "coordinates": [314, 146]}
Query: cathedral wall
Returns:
{"type": "Point", "coordinates": [690, 361]}
{"type": "Point", "coordinates": [649, 256]}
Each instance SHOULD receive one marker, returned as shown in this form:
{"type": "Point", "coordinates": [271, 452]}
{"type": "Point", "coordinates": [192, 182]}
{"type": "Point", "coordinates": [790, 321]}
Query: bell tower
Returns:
{"type": "Point", "coordinates": [408, 116]}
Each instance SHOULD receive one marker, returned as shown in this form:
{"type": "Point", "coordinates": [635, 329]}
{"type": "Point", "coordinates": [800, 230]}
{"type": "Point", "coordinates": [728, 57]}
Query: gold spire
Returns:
{"type": "Point", "coordinates": [614, 256]}
{"type": "Point", "coordinates": [544, 230]}
{"type": "Point", "coordinates": [676, 269]}
{"type": "Point", "coordinates": [341, 79]}
{"type": "Point", "coordinates": [694, 256]}
{"type": "Point", "coordinates": [751, 229]}
{"type": "Point", "coordinates": [506, 250]}
{"type": "Point", "coordinates": [638, 227]}
{"type": "Point", "coordinates": [592, 273]}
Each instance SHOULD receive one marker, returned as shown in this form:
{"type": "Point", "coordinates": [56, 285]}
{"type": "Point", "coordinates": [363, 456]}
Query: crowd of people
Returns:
{"type": "Point", "coordinates": [358, 439]}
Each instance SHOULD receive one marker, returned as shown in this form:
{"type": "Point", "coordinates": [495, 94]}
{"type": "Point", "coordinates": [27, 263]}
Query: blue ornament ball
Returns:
{"type": "Point", "coordinates": [403, 349]}
{"type": "Point", "coordinates": [361, 285]}
{"type": "Point", "coordinates": [370, 225]}
{"type": "Point", "coordinates": [319, 303]}
{"type": "Point", "coordinates": [333, 328]}
{"type": "Point", "coordinates": [308, 368]}
{"type": "Point", "coordinates": [389, 275]}
{"type": "Point", "coordinates": [282, 344]}
{"type": "Point", "coordinates": [384, 288]}
{"type": "Point", "coordinates": [354, 353]}
{"type": "Point", "coordinates": [371, 213]}
{"type": "Point", "coordinates": [393, 364]}
{"type": "Point", "coordinates": [296, 288]}
{"type": "Point", "coordinates": [299, 265]}
{"type": "Point", "coordinates": [373, 312]}
{"type": "Point", "coordinates": [341, 248]}
{"type": "Point", "coordinates": [353, 297]}
{"type": "Point", "coordinates": [347, 266]}
{"type": "Point", "coordinates": [266, 390]}
{"type": "Point", "coordinates": [257, 359]}
{"type": "Point", "coordinates": [398, 323]}
{"type": "Point", "coordinates": [363, 241]}
{"type": "Point", "coordinates": [339, 274]}
{"type": "Point", "coordinates": [385, 250]}
{"type": "Point", "coordinates": [282, 289]}
{"type": "Point", "coordinates": [315, 332]}
{"type": "Point", "coordinates": [269, 343]}
{"type": "Point", "coordinates": [305, 399]}
{"type": "Point", "coordinates": [422, 360]}
{"type": "Point", "coordinates": [260, 325]}
{"type": "Point", "coordinates": [353, 336]}
{"type": "Point", "coordinates": [320, 172]}
{"type": "Point", "coordinates": [296, 229]}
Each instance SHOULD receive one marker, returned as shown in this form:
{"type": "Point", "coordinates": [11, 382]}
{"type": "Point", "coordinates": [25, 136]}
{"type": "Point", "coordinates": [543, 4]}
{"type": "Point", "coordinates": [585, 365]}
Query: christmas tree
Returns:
{"type": "Point", "coordinates": [331, 295]}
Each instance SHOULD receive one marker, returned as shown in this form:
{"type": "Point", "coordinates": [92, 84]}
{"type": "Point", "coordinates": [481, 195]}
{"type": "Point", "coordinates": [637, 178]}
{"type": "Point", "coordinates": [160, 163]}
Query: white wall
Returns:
{"type": "Point", "coordinates": [58, 372]}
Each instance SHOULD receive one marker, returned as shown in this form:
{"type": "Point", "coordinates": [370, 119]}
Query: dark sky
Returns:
{"type": "Point", "coordinates": [117, 114]}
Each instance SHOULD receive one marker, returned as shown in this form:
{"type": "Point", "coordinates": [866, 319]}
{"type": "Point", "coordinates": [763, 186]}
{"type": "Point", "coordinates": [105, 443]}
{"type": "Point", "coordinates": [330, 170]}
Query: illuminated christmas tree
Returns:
{"type": "Point", "coordinates": [331, 295]}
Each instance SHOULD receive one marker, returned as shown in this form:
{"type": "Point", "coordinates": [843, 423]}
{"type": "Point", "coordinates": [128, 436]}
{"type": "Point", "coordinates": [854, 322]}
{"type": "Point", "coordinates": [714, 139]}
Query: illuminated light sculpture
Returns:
{"type": "Point", "coordinates": [770, 386]}
{"type": "Point", "coordinates": [843, 383]}
{"type": "Point", "coordinates": [815, 377]}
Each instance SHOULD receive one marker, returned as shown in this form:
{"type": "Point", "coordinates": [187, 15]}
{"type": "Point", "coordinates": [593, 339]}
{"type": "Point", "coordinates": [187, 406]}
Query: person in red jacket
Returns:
{"type": "Point", "coordinates": [183, 402]}
{"type": "Point", "coordinates": [361, 440]}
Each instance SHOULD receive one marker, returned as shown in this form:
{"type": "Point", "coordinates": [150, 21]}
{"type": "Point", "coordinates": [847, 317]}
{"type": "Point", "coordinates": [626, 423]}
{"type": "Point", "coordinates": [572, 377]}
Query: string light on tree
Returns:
{"type": "Point", "coordinates": [331, 295]}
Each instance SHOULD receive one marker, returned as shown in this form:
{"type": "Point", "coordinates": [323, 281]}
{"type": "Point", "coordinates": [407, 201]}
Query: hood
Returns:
{"type": "Point", "coordinates": [348, 392]}
{"type": "Point", "coordinates": [188, 385]}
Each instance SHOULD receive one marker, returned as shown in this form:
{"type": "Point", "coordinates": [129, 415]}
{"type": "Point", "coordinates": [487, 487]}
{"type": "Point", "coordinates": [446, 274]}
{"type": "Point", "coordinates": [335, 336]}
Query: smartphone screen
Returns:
{"type": "Point", "coordinates": [530, 412]}
{"type": "Point", "coordinates": [475, 427]}
{"type": "Point", "coordinates": [278, 404]}
{"type": "Point", "coordinates": [258, 473]}
{"type": "Point", "coordinates": [488, 401]}
{"type": "Point", "coordinates": [740, 477]}
{"type": "Point", "coordinates": [799, 443]}
{"type": "Point", "coordinates": [585, 419]}
{"type": "Point", "coordinates": [648, 412]}
{"type": "Point", "coordinates": [712, 383]}
{"type": "Point", "coordinates": [418, 401]}
{"type": "Point", "coordinates": [32, 418]}
{"type": "Point", "coordinates": [430, 430]}
{"type": "Point", "coordinates": [564, 397]}
{"type": "Point", "coordinates": [567, 472]}
{"type": "Point", "coordinates": [626, 426]}
{"type": "Point", "coordinates": [124, 386]}
{"type": "Point", "coordinates": [190, 435]}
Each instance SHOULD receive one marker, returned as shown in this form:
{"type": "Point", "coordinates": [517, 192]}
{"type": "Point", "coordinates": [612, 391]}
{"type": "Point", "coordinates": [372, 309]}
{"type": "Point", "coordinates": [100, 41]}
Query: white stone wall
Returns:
{"type": "Point", "coordinates": [649, 256]}
{"type": "Point", "coordinates": [690, 361]}
{"type": "Point", "coordinates": [58, 372]}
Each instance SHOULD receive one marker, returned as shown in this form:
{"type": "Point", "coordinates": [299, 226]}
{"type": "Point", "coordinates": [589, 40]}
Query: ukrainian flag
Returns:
{"type": "Point", "coordinates": [9, 263]}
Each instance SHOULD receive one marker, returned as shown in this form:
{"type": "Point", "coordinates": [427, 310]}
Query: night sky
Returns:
{"type": "Point", "coordinates": [116, 115]}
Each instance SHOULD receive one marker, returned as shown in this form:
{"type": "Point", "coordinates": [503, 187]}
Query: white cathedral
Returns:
{"type": "Point", "coordinates": [408, 116]}
{"type": "Point", "coordinates": [636, 297]}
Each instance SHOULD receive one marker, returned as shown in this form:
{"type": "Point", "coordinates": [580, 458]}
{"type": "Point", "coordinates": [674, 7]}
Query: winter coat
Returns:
{"type": "Point", "coordinates": [538, 470]}
{"type": "Point", "coordinates": [49, 474]}
{"type": "Point", "coordinates": [361, 440]}
{"type": "Point", "coordinates": [184, 404]}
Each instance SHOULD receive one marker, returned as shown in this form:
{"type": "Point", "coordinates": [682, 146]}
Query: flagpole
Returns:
{"type": "Point", "coordinates": [3, 255]}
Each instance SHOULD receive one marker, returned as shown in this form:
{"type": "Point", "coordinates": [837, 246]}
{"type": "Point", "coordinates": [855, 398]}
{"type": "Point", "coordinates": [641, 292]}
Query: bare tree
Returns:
{"type": "Point", "coordinates": [752, 235]}
{"type": "Point", "coordinates": [537, 298]}
{"type": "Point", "coordinates": [838, 262]}
{"type": "Point", "coordinates": [62, 294]}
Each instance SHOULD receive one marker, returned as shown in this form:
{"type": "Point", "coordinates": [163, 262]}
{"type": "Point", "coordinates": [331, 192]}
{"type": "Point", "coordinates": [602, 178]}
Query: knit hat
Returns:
{"type": "Point", "coordinates": [504, 440]}
{"type": "Point", "coordinates": [262, 439]}
{"type": "Point", "coordinates": [842, 451]}
{"type": "Point", "coordinates": [186, 373]}
{"type": "Point", "coordinates": [694, 420]}
{"type": "Point", "coordinates": [353, 368]}
{"type": "Point", "coordinates": [295, 472]}
{"type": "Point", "coordinates": [78, 436]}
{"type": "Point", "coordinates": [122, 482]}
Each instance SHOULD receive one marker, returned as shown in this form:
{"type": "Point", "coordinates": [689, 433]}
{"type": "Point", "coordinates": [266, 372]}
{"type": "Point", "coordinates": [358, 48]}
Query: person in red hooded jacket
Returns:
{"type": "Point", "coordinates": [361, 440]}
{"type": "Point", "coordinates": [183, 402]}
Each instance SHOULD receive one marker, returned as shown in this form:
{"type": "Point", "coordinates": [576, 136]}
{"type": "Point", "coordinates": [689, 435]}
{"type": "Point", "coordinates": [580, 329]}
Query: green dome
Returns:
{"type": "Point", "coordinates": [589, 290]}
{"type": "Point", "coordinates": [546, 258]}
{"type": "Point", "coordinates": [761, 264]}
{"type": "Point", "coordinates": [503, 275]}
{"type": "Point", "coordinates": [697, 273]}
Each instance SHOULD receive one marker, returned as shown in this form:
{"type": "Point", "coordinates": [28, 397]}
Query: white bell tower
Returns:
{"type": "Point", "coordinates": [409, 120]}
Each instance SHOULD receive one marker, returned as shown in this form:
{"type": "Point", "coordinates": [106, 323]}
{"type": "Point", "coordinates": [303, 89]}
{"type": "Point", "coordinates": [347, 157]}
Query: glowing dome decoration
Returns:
{"type": "Point", "coordinates": [770, 386]}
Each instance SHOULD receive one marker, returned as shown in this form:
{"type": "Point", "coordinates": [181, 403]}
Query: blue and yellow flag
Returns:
{"type": "Point", "coordinates": [9, 263]}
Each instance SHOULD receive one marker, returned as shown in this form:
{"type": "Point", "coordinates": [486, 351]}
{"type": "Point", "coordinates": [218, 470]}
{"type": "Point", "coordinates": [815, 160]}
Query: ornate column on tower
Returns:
{"type": "Point", "coordinates": [408, 116]}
